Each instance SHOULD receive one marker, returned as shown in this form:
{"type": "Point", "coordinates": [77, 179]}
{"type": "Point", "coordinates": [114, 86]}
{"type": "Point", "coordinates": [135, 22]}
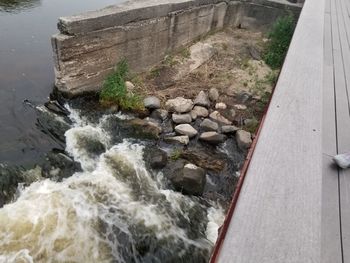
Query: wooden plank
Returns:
{"type": "Point", "coordinates": [330, 231]}
{"type": "Point", "coordinates": [278, 214]}
{"type": "Point", "coordinates": [342, 81]}
{"type": "Point", "coordinates": [331, 247]}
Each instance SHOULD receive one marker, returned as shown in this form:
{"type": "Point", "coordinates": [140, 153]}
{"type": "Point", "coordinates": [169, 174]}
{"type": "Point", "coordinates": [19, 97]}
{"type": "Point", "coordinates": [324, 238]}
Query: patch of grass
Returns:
{"type": "Point", "coordinates": [244, 63]}
{"type": "Point", "coordinates": [170, 61]}
{"type": "Point", "coordinates": [175, 154]}
{"type": "Point", "coordinates": [279, 40]}
{"type": "Point", "coordinates": [272, 77]}
{"type": "Point", "coordinates": [185, 53]}
{"type": "Point", "coordinates": [155, 72]}
{"type": "Point", "coordinates": [114, 90]}
{"type": "Point", "coordinates": [261, 104]}
{"type": "Point", "coordinates": [137, 80]}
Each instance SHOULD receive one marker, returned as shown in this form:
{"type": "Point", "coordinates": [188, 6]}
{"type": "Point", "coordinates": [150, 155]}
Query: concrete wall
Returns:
{"type": "Point", "coordinates": [144, 31]}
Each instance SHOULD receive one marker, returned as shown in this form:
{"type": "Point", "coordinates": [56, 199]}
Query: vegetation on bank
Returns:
{"type": "Point", "coordinates": [114, 90]}
{"type": "Point", "coordinates": [279, 39]}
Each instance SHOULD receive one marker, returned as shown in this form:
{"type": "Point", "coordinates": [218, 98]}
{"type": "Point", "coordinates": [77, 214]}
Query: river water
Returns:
{"type": "Point", "coordinates": [115, 209]}
{"type": "Point", "coordinates": [26, 71]}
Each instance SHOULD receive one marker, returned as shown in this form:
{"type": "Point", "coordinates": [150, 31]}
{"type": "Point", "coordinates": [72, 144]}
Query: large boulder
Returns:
{"type": "Point", "coordinates": [203, 159]}
{"type": "Point", "coordinates": [200, 111]}
{"type": "Point", "coordinates": [144, 129]}
{"type": "Point", "coordinates": [186, 129]}
{"type": "Point", "coordinates": [212, 137]}
{"type": "Point", "coordinates": [50, 123]}
{"type": "Point", "coordinates": [208, 125]}
{"type": "Point", "coordinates": [10, 177]}
{"type": "Point", "coordinates": [191, 180]}
{"type": "Point", "coordinates": [59, 165]}
{"type": "Point", "coordinates": [216, 116]}
{"type": "Point", "coordinates": [202, 99]}
{"type": "Point", "coordinates": [181, 118]}
{"type": "Point", "coordinates": [158, 159]}
{"type": "Point", "coordinates": [179, 104]}
{"type": "Point", "coordinates": [56, 107]}
{"type": "Point", "coordinates": [244, 139]}
{"type": "Point", "coordinates": [151, 102]}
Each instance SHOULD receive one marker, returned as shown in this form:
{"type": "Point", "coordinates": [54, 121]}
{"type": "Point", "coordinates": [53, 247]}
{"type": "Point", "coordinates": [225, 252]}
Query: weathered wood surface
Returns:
{"type": "Point", "coordinates": [331, 250]}
{"type": "Point", "coordinates": [295, 204]}
{"type": "Point", "coordinates": [342, 84]}
{"type": "Point", "coordinates": [278, 214]}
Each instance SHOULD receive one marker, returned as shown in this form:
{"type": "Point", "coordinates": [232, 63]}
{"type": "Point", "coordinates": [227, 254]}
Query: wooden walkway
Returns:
{"type": "Point", "coordinates": [294, 204]}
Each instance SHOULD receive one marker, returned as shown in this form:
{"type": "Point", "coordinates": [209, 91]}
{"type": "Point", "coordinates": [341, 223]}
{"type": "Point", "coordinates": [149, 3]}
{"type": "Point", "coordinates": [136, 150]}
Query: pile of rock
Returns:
{"type": "Point", "coordinates": [183, 119]}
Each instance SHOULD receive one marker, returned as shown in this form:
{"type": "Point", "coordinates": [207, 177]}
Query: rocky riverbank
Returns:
{"type": "Point", "coordinates": [153, 184]}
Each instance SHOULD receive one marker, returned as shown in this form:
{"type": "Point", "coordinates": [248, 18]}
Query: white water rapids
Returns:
{"type": "Point", "coordinates": [114, 211]}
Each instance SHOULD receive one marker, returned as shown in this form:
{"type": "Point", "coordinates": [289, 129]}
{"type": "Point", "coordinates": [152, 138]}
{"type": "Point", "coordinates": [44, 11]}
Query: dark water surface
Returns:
{"type": "Point", "coordinates": [26, 71]}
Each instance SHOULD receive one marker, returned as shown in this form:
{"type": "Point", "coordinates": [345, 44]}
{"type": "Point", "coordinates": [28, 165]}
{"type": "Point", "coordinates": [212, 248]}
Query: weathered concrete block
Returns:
{"type": "Point", "coordinates": [143, 32]}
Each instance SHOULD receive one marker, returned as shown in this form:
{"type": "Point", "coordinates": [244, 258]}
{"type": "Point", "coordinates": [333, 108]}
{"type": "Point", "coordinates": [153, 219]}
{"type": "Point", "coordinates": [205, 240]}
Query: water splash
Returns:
{"type": "Point", "coordinates": [114, 210]}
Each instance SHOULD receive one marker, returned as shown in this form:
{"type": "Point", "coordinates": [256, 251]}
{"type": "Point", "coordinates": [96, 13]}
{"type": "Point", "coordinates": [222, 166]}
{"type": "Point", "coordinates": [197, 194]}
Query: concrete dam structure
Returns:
{"type": "Point", "coordinates": [89, 45]}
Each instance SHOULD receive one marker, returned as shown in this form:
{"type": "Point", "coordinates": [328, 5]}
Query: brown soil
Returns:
{"type": "Point", "coordinates": [232, 70]}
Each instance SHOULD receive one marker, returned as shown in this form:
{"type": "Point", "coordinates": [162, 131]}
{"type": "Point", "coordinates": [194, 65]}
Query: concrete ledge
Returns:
{"type": "Point", "coordinates": [143, 32]}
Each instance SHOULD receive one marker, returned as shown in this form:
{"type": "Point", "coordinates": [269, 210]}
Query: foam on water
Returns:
{"type": "Point", "coordinates": [92, 216]}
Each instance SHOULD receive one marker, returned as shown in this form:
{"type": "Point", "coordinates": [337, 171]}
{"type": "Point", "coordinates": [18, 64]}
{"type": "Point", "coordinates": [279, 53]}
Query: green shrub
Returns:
{"type": "Point", "coordinates": [279, 40]}
{"type": "Point", "coordinates": [114, 90]}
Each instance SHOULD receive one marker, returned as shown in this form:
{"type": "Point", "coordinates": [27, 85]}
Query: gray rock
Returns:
{"type": "Point", "coordinates": [144, 129]}
{"type": "Point", "coordinates": [212, 137]}
{"type": "Point", "coordinates": [129, 86]}
{"type": "Point", "coordinates": [213, 94]}
{"type": "Point", "coordinates": [151, 102]}
{"type": "Point", "coordinates": [186, 129]}
{"type": "Point", "coordinates": [158, 159]}
{"type": "Point", "coordinates": [254, 52]}
{"type": "Point", "coordinates": [191, 180]}
{"type": "Point", "coordinates": [216, 116]}
{"type": "Point", "coordinates": [159, 114]}
{"type": "Point", "coordinates": [208, 125]}
{"type": "Point", "coordinates": [10, 177]}
{"type": "Point", "coordinates": [232, 114]}
{"type": "Point", "coordinates": [56, 107]}
{"type": "Point", "coordinates": [244, 97]}
{"type": "Point", "coordinates": [202, 99]}
{"type": "Point", "coordinates": [59, 166]}
{"type": "Point", "coordinates": [244, 139]}
{"type": "Point", "coordinates": [204, 159]}
{"type": "Point", "coordinates": [181, 118]}
{"type": "Point", "coordinates": [220, 106]}
{"type": "Point", "coordinates": [178, 139]}
{"type": "Point", "coordinates": [49, 122]}
{"type": "Point", "coordinates": [229, 129]}
{"type": "Point", "coordinates": [167, 126]}
{"type": "Point", "coordinates": [193, 115]}
{"type": "Point", "coordinates": [179, 104]}
{"type": "Point", "coordinates": [240, 106]}
{"type": "Point", "coordinates": [200, 111]}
